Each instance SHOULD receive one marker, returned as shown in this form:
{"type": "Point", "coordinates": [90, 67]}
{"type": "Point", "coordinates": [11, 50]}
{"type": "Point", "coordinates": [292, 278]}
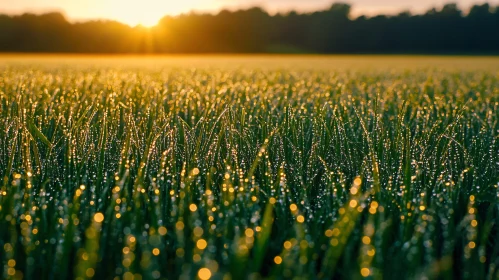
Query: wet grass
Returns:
{"type": "Point", "coordinates": [230, 172]}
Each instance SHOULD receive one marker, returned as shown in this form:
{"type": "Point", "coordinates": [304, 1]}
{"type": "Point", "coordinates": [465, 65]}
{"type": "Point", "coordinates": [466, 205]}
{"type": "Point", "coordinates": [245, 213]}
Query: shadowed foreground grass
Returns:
{"type": "Point", "coordinates": [237, 172]}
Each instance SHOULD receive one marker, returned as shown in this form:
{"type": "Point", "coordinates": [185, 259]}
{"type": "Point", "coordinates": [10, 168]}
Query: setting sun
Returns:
{"type": "Point", "coordinates": [146, 19]}
{"type": "Point", "coordinates": [146, 12]}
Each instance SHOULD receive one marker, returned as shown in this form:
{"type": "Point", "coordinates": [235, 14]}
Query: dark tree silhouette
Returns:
{"type": "Point", "coordinates": [445, 31]}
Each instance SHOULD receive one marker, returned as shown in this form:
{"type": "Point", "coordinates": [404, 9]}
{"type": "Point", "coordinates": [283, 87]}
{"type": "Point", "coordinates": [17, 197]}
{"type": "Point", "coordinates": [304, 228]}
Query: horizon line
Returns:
{"type": "Point", "coordinates": [353, 15]}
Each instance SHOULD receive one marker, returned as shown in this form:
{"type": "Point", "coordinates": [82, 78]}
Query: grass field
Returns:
{"type": "Point", "coordinates": [249, 167]}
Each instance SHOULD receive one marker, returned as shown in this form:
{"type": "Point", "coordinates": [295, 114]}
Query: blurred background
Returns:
{"type": "Point", "coordinates": [245, 26]}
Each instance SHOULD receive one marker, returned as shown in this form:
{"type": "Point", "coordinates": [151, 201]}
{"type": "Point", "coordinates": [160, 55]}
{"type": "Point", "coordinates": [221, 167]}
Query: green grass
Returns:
{"type": "Point", "coordinates": [249, 167]}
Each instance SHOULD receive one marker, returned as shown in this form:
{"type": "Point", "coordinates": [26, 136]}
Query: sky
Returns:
{"type": "Point", "coordinates": [148, 12]}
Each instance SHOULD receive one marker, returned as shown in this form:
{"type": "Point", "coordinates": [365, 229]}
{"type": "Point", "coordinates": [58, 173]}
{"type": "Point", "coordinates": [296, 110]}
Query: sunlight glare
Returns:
{"type": "Point", "coordinates": [147, 12]}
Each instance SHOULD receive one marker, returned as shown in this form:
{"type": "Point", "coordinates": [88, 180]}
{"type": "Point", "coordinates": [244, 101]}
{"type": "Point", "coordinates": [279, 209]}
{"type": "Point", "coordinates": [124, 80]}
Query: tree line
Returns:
{"type": "Point", "coordinates": [447, 30]}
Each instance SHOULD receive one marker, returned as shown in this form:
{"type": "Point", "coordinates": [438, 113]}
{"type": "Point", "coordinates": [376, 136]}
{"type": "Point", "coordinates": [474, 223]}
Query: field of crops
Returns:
{"type": "Point", "coordinates": [249, 167]}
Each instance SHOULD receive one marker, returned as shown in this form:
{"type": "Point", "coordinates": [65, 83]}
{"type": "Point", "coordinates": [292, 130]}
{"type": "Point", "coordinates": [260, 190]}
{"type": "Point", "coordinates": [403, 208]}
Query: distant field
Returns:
{"type": "Point", "coordinates": [263, 62]}
{"type": "Point", "coordinates": [235, 167]}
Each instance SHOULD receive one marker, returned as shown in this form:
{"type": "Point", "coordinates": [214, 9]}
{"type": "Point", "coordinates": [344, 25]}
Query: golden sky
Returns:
{"type": "Point", "coordinates": [148, 12]}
